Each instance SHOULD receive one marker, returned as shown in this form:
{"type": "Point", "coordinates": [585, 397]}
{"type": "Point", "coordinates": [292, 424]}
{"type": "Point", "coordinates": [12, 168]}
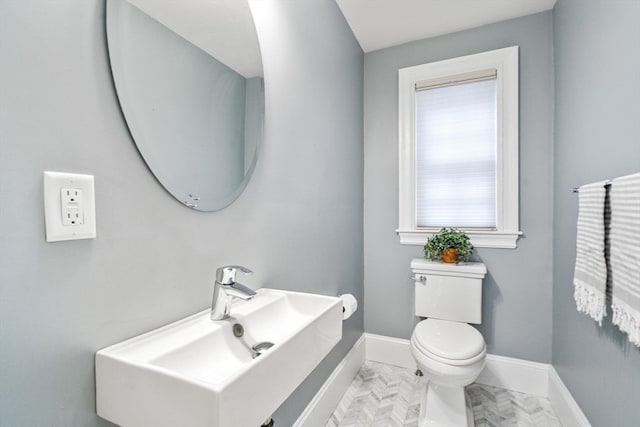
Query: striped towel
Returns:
{"type": "Point", "coordinates": [590, 274]}
{"type": "Point", "coordinates": [625, 255]}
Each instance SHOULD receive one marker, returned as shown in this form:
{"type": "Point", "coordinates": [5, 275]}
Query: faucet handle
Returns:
{"type": "Point", "coordinates": [227, 275]}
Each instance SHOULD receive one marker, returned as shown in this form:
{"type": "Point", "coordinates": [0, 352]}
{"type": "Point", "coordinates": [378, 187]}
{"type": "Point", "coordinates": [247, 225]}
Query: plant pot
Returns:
{"type": "Point", "coordinates": [450, 255]}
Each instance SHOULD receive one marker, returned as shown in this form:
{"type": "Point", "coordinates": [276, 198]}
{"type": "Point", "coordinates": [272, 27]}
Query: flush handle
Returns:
{"type": "Point", "coordinates": [419, 278]}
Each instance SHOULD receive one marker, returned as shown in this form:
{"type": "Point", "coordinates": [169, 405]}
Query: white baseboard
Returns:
{"type": "Point", "coordinates": [504, 372]}
{"type": "Point", "coordinates": [538, 379]}
{"type": "Point", "coordinates": [388, 350]}
{"type": "Point", "coordinates": [564, 406]}
{"type": "Point", "coordinates": [516, 374]}
{"type": "Point", "coordinates": [323, 404]}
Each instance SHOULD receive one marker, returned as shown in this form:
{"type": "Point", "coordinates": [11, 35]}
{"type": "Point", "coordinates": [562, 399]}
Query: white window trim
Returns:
{"type": "Point", "coordinates": [505, 61]}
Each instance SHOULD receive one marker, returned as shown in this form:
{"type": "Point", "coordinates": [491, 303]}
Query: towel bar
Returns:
{"type": "Point", "coordinates": [577, 189]}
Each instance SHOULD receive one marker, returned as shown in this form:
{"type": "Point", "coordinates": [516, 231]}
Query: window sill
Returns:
{"type": "Point", "coordinates": [479, 239]}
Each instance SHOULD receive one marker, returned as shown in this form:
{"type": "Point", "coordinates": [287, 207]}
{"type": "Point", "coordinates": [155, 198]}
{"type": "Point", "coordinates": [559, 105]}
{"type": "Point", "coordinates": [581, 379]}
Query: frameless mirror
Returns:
{"type": "Point", "coordinates": [188, 75]}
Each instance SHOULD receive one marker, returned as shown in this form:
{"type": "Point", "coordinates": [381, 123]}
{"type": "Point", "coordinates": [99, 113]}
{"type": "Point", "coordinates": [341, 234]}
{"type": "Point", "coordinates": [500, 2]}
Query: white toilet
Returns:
{"type": "Point", "coordinates": [449, 352]}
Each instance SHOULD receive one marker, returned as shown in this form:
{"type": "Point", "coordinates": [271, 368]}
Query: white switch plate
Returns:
{"type": "Point", "coordinates": [69, 206]}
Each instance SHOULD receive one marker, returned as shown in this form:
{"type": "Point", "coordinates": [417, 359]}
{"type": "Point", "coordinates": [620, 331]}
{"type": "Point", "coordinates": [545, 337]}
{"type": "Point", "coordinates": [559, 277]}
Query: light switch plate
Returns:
{"type": "Point", "coordinates": [69, 206]}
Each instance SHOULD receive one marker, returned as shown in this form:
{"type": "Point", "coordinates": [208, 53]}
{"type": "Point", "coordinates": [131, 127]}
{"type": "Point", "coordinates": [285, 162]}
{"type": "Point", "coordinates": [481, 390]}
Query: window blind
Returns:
{"type": "Point", "coordinates": [456, 153]}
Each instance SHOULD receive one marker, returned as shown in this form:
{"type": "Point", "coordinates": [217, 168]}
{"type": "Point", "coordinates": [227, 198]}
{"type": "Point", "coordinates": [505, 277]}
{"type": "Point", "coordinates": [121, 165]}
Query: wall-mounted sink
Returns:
{"type": "Point", "coordinates": [196, 372]}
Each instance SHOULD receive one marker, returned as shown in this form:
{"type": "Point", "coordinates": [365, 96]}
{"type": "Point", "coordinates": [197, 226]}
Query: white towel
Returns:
{"type": "Point", "coordinates": [590, 274]}
{"type": "Point", "coordinates": [625, 255]}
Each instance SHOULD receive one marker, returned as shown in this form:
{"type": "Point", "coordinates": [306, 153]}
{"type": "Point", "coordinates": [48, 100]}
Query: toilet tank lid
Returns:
{"type": "Point", "coordinates": [465, 269]}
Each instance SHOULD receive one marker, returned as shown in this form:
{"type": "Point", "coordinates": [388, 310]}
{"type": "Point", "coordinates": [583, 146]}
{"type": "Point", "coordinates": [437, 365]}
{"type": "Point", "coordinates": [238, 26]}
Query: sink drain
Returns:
{"type": "Point", "coordinates": [257, 349]}
{"type": "Point", "coordinates": [260, 348]}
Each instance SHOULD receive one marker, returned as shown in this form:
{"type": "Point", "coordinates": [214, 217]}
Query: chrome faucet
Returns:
{"type": "Point", "coordinates": [226, 288]}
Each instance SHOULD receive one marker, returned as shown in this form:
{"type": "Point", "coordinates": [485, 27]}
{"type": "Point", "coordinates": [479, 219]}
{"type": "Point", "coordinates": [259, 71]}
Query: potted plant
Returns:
{"type": "Point", "coordinates": [449, 245]}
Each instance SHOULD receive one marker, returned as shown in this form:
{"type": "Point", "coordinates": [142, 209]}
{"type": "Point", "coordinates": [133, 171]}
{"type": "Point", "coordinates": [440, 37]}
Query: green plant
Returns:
{"type": "Point", "coordinates": [448, 238]}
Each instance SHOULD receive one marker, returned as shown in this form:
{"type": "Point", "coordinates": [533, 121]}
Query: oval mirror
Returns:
{"type": "Point", "coordinates": [188, 75]}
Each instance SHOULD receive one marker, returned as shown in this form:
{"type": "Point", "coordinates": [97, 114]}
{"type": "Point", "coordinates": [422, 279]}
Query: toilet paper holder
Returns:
{"type": "Point", "coordinates": [349, 305]}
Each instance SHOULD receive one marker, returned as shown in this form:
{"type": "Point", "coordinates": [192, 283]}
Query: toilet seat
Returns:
{"type": "Point", "coordinates": [449, 342]}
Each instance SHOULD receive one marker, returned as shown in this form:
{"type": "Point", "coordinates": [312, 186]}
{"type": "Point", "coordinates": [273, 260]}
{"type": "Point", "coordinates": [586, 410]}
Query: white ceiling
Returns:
{"type": "Point", "coordinates": [382, 23]}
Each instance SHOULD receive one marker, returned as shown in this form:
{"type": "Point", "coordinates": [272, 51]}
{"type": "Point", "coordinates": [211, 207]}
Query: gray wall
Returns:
{"type": "Point", "coordinates": [517, 292]}
{"type": "Point", "coordinates": [597, 136]}
{"type": "Point", "coordinates": [153, 260]}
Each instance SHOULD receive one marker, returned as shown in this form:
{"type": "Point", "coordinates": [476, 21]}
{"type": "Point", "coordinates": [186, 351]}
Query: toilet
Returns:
{"type": "Point", "coordinates": [449, 352]}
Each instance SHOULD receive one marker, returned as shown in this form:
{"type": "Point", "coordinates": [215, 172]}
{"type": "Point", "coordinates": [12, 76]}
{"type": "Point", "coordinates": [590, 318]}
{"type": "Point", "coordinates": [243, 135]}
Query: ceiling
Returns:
{"type": "Point", "coordinates": [382, 23]}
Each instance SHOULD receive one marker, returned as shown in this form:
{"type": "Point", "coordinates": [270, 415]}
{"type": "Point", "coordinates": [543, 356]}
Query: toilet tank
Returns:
{"type": "Point", "coordinates": [449, 291]}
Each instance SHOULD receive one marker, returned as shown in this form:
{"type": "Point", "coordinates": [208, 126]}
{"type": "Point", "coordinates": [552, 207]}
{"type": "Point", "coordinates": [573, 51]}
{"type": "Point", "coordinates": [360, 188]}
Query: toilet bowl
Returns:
{"type": "Point", "coordinates": [450, 353]}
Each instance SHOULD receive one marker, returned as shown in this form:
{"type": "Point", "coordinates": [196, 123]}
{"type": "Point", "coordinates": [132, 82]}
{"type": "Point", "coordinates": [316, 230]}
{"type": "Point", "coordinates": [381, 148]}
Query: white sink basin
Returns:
{"type": "Point", "coordinates": [195, 372]}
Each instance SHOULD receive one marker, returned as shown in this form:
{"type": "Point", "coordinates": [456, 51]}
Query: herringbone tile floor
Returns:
{"type": "Point", "coordinates": [389, 396]}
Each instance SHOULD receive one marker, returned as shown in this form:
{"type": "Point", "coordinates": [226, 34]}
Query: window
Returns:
{"type": "Point", "coordinates": [458, 144]}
